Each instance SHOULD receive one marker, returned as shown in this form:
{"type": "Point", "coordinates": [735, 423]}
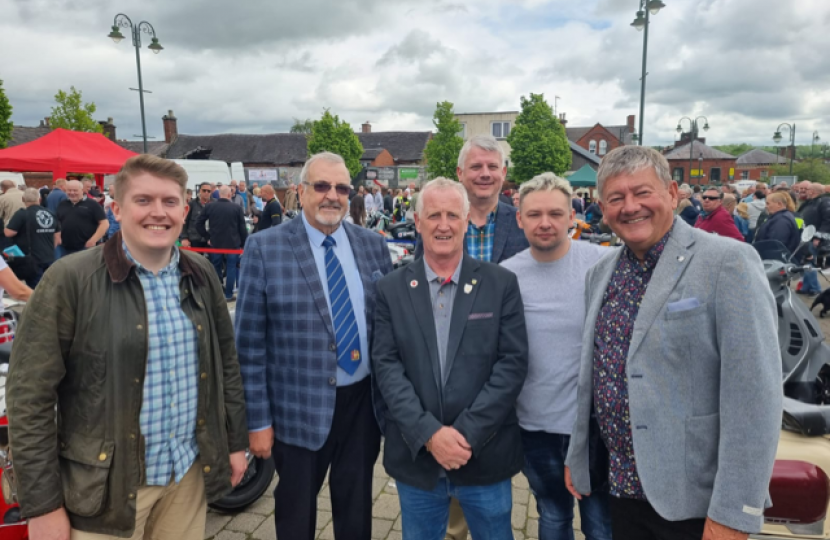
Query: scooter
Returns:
{"type": "Point", "coordinates": [12, 525]}
{"type": "Point", "coordinates": [800, 485]}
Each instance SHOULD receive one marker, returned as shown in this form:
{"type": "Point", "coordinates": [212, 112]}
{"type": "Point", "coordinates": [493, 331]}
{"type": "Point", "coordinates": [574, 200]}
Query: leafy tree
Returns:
{"type": "Point", "coordinates": [6, 125]}
{"type": "Point", "coordinates": [302, 126]}
{"type": "Point", "coordinates": [72, 113]}
{"type": "Point", "coordinates": [330, 134]}
{"type": "Point", "coordinates": [813, 170]}
{"type": "Point", "coordinates": [735, 149]}
{"type": "Point", "coordinates": [538, 142]}
{"type": "Point", "coordinates": [443, 148]}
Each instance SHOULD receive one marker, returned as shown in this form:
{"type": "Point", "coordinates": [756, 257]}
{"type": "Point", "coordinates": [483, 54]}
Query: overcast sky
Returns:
{"type": "Point", "coordinates": [251, 66]}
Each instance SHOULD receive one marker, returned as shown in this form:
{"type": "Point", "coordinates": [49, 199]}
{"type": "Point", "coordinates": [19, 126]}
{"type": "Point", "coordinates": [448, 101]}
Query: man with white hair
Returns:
{"type": "Point", "coordinates": [304, 325]}
{"type": "Point", "coordinates": [36, 231]}
{"type": "Point", "coordinates": [552, 281]}
{"type": "Point", "coordinates": [450, 357]}
{"type": "Point", "coordinates": [83, 221]}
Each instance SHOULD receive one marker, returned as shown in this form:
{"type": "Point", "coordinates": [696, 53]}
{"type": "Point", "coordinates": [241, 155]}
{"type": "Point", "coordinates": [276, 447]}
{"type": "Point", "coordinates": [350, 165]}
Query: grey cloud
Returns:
{"type": "Point", "coordinates": [417, 45]}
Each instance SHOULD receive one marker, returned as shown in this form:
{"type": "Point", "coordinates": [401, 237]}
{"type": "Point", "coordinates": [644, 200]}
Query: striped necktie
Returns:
{"type": "Point", "coordinates": [345, 324]}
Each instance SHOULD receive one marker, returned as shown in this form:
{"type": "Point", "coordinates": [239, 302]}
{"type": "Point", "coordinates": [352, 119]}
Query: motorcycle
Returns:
{"type": "Point", "coordinates": [800, 484]}
{"type": "Point", "coordinates": [12, 525]}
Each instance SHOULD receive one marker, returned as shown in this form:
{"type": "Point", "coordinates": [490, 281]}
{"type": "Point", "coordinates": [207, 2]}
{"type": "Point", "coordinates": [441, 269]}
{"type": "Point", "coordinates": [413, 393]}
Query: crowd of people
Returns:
{"type": "Point", "coordinates": [506, 346]}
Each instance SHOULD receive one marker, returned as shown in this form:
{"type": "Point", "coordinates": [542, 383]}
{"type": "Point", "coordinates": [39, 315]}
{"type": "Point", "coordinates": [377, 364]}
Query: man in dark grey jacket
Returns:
{"type": "Point", "coordinates": [227, 232]}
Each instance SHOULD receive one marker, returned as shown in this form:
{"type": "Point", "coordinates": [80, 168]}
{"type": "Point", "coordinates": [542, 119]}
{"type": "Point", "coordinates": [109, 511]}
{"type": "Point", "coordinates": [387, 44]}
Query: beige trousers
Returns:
{"type": "Point", "coordinates": [172, 512]}
{"type": "Point", "coordinates": [457, 528]}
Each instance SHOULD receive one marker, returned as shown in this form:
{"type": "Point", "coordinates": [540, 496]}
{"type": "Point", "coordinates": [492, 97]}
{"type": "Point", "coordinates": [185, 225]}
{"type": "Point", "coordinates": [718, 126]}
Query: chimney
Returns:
{"type": "Point", "coordinates": [46, 121]}
{"type": "Point", "coordinates": [109, 129]}
{"type": "Point", "coordinates": [171, 130]}
{"type": "Point", "coordinates": [630, 123]}
{"type": "Point", "coordinates": [367, 127]}
{"type": "Point", "coordinates": [562, 119]}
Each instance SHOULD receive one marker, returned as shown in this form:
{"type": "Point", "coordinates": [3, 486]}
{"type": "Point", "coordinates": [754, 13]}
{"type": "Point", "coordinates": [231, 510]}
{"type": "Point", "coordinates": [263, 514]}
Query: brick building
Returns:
{"type": "Point", "coordinates": [599, 139]}
{"type": "Point", "coordinates": [757, 164]}
{"type": "Point", "coordinates": [709, 165]}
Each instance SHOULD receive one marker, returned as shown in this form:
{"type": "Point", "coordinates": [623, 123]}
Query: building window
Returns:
{"type": "Point", "coordinates": [744, 175]}
{"type": "Point", "coordinates": [764, 173]}
{"type": "Point", "coordinates": [603, 147]}
{"type": "Point", "coordinates": [463, 131]}
{"type": "Point", "coordinates": [592, 147]}
{"type": "Point", "coordinates": [714, 174]}
{"type": "Point", "coordinates": [500, 130]}
{"type": "Point", "coordinates": [677, 175]}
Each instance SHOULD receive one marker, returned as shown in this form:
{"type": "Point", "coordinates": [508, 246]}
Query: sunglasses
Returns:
{"type": "Point", "coordinates": [205, 190]}
{"type": "Point", "coordinates": [325, 187]}
{"type": "Point", "coordinates": [710, 198]}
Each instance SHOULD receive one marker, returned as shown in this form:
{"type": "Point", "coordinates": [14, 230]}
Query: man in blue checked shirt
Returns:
{"type": "Point", "coordinates": [133, 342]}
{"type": "Point", "coordinates": [304, 323]}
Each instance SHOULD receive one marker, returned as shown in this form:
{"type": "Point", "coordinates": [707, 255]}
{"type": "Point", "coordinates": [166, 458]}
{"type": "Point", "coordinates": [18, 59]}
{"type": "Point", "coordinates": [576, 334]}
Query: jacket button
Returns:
{"type": "Point", "coordinates": [132, 435]}
{"type": "Point", "coordinates": [102, 457]}
{"type": "Point", "coordinates": [203, 375]}
{"type": "Point", "coordinates": [131, 496]}
{"type": "Point", "coordinates": [136, 380]}
{"type": "Point", "coordinates": [201, 421]}
{"type": "Point", "coordinates": [332, 381]}
{"type": "Point", "coordinates": [207, 468]}
{"type": "Point", "coordinates": [199, 327]}
{"type": "Point", "coordinates": [140, 326]}
{"type": "Point", "coordinates": [333, 347]}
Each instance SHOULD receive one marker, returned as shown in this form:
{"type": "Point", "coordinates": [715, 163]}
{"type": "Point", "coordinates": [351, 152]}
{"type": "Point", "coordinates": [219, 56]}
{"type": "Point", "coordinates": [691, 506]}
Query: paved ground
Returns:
{"type": "Point", "coordinates": [257, 521]}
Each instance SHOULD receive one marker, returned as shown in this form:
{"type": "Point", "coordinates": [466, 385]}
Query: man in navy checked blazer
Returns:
{"type": "Point", "coordinates": [304, 323]}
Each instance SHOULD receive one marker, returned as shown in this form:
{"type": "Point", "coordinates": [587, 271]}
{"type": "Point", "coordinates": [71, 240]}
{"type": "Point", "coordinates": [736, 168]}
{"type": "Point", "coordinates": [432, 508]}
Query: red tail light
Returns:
{"type": "Point", "coordinates": [800, 492]}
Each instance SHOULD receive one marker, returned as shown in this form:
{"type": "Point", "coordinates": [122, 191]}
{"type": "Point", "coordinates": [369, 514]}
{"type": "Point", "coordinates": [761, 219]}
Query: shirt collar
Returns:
{"type": "Point", "coordinates": [432, 276]}
{"type": "Point", "coordinates": [653, 254]}
{"type": "Point", "coordinates": [172, 266]}
{"type": "Point", "coordinates": [316, 237]}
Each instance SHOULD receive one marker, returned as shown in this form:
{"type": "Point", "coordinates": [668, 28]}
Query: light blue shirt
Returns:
{"type": "Point", "coordinates": [344, 253]}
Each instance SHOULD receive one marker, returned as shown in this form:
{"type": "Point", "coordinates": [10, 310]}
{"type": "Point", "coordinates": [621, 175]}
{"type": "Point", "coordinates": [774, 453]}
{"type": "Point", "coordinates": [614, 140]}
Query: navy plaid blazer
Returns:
{"type": "Point", "coordinates": [284, 335]}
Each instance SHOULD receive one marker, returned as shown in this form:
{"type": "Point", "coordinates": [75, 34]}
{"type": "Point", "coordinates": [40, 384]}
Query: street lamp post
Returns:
{"type": "Point", "coordinates": [816, 139]}
{"type": "Point", "coordinates": [777, 138]}
{"type": "Point", "coordinates": [641, 23]}
{"type": "Point", "coordinates": [692, 134]}
{"type": "Point", "coordinates": [122, 21]}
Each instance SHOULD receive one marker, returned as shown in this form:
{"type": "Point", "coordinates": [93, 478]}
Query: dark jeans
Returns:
{"type": "Point", "coordinates": [634, 519]}
{"type": "Point", "coordinates": [39, 270]}
{"type": "Point", "coordinates": [351, 450]}
{"type": "Point", "coordinates": [810, 280]}
{"type": "Point", "coordinates": [231, 262]}
{"type": "Point", "coordinates": [545, 471]}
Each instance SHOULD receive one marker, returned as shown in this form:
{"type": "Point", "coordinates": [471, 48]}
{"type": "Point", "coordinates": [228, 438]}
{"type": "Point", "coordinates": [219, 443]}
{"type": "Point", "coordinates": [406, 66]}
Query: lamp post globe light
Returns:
{"type": "Point", "coordinates": [641, 23]}
{"type": "Point", "coordinates": [816, 139]}
{"type": "Point", "coordinates": [776, 137]}
{"type": "Point", "coordinates": [693, 131]}
{"type": "Point", "coordinates": [122, 21]}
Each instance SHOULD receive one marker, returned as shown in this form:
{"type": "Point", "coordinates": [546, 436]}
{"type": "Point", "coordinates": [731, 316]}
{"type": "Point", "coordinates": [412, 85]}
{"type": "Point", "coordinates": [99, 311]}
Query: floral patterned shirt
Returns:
{"type": "Point", "coordinates": [612, 337]}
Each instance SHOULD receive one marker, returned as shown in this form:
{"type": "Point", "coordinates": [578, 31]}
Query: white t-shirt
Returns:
{"type": "Point", "coordinates": [3, 266]}
{"type": "Point", "coordinates": [553, 294]}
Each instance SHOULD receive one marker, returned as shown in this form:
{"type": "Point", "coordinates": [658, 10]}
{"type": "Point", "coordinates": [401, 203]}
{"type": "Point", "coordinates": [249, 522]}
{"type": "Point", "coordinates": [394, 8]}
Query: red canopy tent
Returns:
{"type": "Point", "coordinates": [63, 151]}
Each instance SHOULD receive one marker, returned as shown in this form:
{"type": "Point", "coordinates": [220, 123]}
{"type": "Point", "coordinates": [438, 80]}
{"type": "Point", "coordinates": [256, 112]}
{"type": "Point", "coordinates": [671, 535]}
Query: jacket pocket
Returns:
{"type": "Point", "coordinates": [85, 464]}
{"type": "Point", "coordinates": [702, 449]}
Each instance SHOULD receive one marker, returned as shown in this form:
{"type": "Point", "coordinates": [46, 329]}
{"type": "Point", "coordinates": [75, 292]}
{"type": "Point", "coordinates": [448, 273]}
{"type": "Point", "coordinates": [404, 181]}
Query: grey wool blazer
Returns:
{"type": "Point", "coordinates": [704, 381]}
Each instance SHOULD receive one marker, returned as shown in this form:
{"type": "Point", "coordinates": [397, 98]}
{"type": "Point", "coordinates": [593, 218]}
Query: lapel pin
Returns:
{"type": "Point", "coordinates": [413, 283]}
{"type": "Point", "coordinates": [467, 288]}
{"type": "Point", "coordinates": [681, 258]}
{"type": "Point", "coordinates": [475, 281]}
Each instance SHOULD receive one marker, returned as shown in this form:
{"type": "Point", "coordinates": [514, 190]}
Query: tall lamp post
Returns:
{"type": "Point", "coordinates": [647, 7]}
{"type": "Point", "coordinates": [777, 138]}
{"type": "Point", "coordinates": [692, 135]}
{"type": "Point", "coordinates": [816, 139]}
{"type": "Point", "coordinates": [122, 21]}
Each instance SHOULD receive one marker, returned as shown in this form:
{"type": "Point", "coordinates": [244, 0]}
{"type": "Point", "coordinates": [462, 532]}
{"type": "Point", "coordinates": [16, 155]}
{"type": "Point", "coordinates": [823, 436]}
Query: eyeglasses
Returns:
{"type": "Point", "coordinates": [710, 198]}
{"type": "Point", "coordinates": [205, 190]}
{"type": "Point", "coordinates": [325, 187]}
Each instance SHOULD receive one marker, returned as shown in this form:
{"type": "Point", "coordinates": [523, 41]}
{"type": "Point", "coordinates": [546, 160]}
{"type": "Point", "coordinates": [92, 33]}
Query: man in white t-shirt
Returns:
{"type": "Point", "coordinates": [552, 282]}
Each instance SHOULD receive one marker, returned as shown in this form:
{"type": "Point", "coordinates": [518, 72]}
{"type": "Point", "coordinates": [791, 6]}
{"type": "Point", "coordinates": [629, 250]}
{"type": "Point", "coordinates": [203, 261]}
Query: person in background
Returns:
{"type": "Point", "coordinates": [271, 214]}
{"type": "Point", "coordinates": [577, 204]}
{"type": "Point", "coordinates": [378, 198]}
{"type": "Point", "coordinates": [357, 211]}
{"type": "Point", "coordinates": [291, 200]}
{"type": "Point", "coordinates": [257, 193]}
{"type": "Point", "coordinates": [36, 231]}
{"type": "Point", "coordinates": [388, 201]}
{"type": "Point", "coordinates": [741, 217]}
{"type": "Point", "coordinates": [83, 221]}
{"type": "Point", "coordinates": [369, 202]}
{"type": "Point", "coordinates": [10, 201]}
{"type": "Point", "coordinates": [755, 206]}
{"type": "Point", "coordinates": [815, 211]}
{"type": "Point", "coordinates": [57, 195]}
{"type": "Point", "coordinates": [781, 224]}
{"type": "Point", "coordinates": [190, 232]}
{"type": "Point", "coordinates": [730, 203]}
{"type": "Point", "coordinates": [514, 200]}
{"type": "Point", "coordinates": [228, 231]}
{"type": "Point", "coordinates": [87, 184]}
{"type": "Point", "coordinates": [114, 226]}
{"type": "Point", "coordinates": [687, 212]}
{"type": "Point", "coordinates": [715, 218]}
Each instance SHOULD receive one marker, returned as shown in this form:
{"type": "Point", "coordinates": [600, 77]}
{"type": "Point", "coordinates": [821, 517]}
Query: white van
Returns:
{"type": "Point", "coordinates": [200, 171]}
{"type": "Point", "coordinates": [17, 178]}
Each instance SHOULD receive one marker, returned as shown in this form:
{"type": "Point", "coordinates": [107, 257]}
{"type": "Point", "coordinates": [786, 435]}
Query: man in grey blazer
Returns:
{"type": "Point", "coordinates": [680, 367]}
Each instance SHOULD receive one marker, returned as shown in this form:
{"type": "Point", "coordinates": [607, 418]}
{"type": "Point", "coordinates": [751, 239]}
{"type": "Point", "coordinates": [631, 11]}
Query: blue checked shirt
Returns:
{"type": "Point", "coordinates": [480, 239]}
{"type": "Point", "coordinates": [168, 412]}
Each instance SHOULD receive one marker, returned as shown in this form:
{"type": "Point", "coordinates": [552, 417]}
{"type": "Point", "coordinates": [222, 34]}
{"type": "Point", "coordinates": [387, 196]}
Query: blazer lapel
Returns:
{"type": "Point", "coordinates": [302, 250]}
{"type": "Point", "coordinates": [673, 262]}
{"type": "Point", "coordinates": [503, 215]}
{"type": "Point", "coordinates": [462, 306]}
{"type": "Point", "coordinates": [422, 308]}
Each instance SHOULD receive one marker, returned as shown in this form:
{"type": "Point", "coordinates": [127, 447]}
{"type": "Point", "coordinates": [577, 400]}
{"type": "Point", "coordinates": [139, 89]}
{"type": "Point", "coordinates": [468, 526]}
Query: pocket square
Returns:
{"type": "Point", "coordinates": [682, 305]}
{"type": "Point", "coordinates": [376, 275]}
{"type": "Point", "coordinates": [479, 316]}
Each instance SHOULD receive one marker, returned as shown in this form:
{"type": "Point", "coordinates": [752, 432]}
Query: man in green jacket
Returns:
{"type": "Point", "coordinates": [132, 343]}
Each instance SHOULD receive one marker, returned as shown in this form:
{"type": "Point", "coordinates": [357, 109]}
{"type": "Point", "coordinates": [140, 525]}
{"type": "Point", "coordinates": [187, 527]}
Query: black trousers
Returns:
{"type": "Point", "coordinates": [351, 450]}
{"type": "Point", "coordinates": [633, 519]}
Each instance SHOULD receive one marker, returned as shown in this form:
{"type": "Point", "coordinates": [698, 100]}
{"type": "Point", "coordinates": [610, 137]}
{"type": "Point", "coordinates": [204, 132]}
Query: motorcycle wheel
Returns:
{"type": "Point", "coordinates": [254, 483]}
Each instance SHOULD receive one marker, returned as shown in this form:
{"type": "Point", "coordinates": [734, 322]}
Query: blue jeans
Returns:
{"type": "Point", "coordinates": [810, 279]}
{"type": "Point", "coordinates": [424, 514]}
{"type": "Point", "coordinates": [545, 470]}
{"type": "Point", "coordinates": [230, 270]}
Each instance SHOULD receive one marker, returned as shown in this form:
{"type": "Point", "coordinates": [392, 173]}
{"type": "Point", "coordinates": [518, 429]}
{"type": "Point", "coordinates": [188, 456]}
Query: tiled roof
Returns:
{"type": "Point", "coordinates": [154, 148]}
{"type": "Point", "coordinates": [757, 156]}
{"type": "Point", "coordinates": [682, 152]}
{"type": "Point", "coordinates": [371, 153]}
{"type": "Point", "coordinates": [577, 132]}
{"type": "Point", "coordinates": [403, 145]}
{"type": "Point", "coordinates": [276, 148]}
{"type": "Point", "coordinates": [593, 158]}
{"type": "Point", "coordinates": [23, 135]}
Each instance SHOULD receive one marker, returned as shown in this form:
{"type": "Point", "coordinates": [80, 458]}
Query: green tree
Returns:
{"type": "Point", "coordinates": [72, 113]}
{"type": "Point", "coordinates": [443, 148]}
{"type": "Point", "coordinates": [302, 126]}
{"type": "Point", "coordinates": [6, 125]}
{"type": "Point", "coordinates": [330, 134]}
{"type": "Point", "coordinates": [538, 142]}
{"type": "Point", "coordinates": [813, 170]}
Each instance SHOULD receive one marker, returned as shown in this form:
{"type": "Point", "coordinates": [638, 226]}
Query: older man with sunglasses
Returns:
{"type": "Point", "coordinates": [714, 218]}
{"type": "Point", "coordinates": [304, 323]}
